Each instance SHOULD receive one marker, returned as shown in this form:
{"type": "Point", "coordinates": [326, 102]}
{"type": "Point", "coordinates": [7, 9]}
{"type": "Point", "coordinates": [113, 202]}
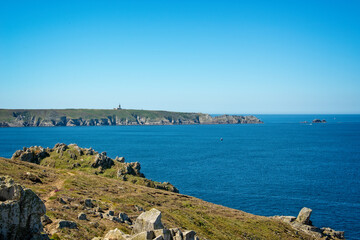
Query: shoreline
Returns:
{"type": "Point", "coordinates": [106, 117]}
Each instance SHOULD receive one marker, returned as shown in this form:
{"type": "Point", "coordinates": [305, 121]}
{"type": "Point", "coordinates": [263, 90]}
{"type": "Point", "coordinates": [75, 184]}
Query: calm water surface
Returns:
{"type": "Point", "coordinates": [271, 169]}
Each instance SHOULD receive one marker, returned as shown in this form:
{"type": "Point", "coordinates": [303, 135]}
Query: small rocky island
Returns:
{"type": "Point", "coordinates": [111, 117]}
{"type": "Point", "coordinates": [70, 192]}
{"type": "Point", "coordinates": [318, 121]}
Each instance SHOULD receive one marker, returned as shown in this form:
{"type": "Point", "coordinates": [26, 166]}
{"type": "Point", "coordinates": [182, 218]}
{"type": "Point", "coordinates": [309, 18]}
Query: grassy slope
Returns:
{"type": "Point", "coordinates": [6, 115]}
{"type": "Point", "coordinates": [208, 220]}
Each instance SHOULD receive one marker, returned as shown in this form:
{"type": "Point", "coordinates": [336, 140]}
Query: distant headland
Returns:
{"type": "Point", "coordinates": [111, 117]}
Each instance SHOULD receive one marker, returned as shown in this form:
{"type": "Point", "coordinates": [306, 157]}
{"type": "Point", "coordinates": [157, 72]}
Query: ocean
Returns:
{"type": "Point", "coordinates": [275, 168]}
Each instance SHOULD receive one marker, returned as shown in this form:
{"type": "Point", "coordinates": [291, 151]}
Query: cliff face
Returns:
{"type": "Point", "coordinates": [85, 117]}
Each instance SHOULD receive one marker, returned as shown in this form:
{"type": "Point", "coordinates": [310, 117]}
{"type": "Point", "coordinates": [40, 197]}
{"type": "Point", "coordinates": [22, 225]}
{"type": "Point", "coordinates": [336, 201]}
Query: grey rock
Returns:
{"type": "Point", "coordinates": [124, 218]}
{"type": "Point", "coordinates": [89, 203]}
{"type": "Point", "coordinates": [66, 224]}
{"type": "Point", "coordinates": [176, 234]}
{"type": "Point", "coordinates": [101, 160]}
{"type": "Point", "coordinates": [164, 233]}
{"type": "Point", "coordinates": [287, 219]}
{"type": "Point", "coordinates": [304, 216]}
{"type": "Point", "coordinates": [332, 233]}
{"type": "Point", "coordinates": [189, 235]}
{"type": "Point", "coordinates": [21, 211]}
{"type": "Point", "coordinates": [148, 221]}
{"type": "Point", "coordinates": [82, 216]}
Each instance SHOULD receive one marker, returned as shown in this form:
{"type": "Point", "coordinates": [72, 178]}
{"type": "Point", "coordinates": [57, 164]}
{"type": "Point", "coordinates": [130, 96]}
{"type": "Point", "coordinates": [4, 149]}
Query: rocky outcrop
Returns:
{"type": "Point", "coordinates": [72, 156]}
{"type": "Point", "coordinates": [103, 161]}
{"type": "Point", "coordinates": [20, 212]}
{"type": "Point", "coordinates": [33, 154]}
{"type": "Point", "coordinates": [304, 216]}
{"type": "Point", "coordinates": [302, 223]}
{"type": "Point", "coordinates": [149, 226]}
{"type": "Point", "coordinates": [52, 118]}
{"type": "Point", "coordinates": [147, 221]}
{"type": "Point", "coordinates": [132, 168]}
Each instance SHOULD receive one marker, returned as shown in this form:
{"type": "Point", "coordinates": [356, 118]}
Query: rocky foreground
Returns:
{"type": "Point", "coordinates": [98, 117]}
{"type": "Point", "coordinates": [69, 192]}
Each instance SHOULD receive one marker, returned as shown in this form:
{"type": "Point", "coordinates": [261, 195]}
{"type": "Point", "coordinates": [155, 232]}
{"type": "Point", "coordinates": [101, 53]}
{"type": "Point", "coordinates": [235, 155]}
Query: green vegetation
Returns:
{"type": "Point", "coordinates": [59, 179]}
{"type": "Point", "coordinates": [6, 115]}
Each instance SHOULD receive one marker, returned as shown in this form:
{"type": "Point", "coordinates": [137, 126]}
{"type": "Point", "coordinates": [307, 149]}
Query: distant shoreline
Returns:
{"type": "Point", "coordinates": [112, 117]}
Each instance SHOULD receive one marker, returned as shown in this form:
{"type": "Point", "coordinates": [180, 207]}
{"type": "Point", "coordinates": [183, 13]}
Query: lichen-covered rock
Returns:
{"type": "Point", "coordinates": [21, 211]}
{"type": "Point", "coordinates": [132, 168]}
{"type": "Point", "coordinates": [103, 161]}
{"type": "Point", "coordinates": [304, 216]}
{"type": "Point", "coordinates": [302, 223]}
{"type": "Point", "coordinates": [148, 221]}
{"type": "Point", "coordinates": [33, 154]}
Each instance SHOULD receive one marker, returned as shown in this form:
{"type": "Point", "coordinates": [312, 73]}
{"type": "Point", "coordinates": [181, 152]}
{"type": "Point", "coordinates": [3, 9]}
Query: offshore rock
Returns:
{"type": "Point", "coordinates": [21, 211]}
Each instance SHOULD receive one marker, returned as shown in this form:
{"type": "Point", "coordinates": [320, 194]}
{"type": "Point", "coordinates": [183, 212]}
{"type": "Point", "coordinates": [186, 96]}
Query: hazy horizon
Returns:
{"type": "Point", "coordinates": [253, 57]}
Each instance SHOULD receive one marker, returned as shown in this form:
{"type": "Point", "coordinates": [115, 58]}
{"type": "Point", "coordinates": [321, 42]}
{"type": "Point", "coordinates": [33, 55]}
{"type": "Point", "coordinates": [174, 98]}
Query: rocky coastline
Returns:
{"type": "Point", "coordinates": [70, 192]}
{"type": "Point", "coordinates": [92, 117]}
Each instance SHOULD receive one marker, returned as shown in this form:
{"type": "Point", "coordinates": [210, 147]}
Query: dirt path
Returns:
{"type": "Point", "coordinates": [58, 184]}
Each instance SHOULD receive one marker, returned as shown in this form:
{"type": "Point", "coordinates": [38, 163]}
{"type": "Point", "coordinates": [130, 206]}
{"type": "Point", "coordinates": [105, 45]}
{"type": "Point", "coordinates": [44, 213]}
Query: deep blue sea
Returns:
{"type": "Point", "coordinates": [275, 168]}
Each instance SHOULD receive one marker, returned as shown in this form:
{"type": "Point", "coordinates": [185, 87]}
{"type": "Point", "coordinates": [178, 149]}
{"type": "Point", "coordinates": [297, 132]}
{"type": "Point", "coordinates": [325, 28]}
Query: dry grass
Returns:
{"type": "Point", "coordinates": [210, 221]}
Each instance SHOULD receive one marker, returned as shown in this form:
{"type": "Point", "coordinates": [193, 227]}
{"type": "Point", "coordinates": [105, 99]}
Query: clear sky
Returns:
{"type": "Point", "coordinates": [197, 56]}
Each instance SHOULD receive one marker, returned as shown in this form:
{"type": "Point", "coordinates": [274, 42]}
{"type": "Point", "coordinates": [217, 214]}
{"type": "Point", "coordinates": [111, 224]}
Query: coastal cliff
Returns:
{"type": "Point", "coordinates": [88, 195]}
{"type": "Point", "coordinates": [99, 117]}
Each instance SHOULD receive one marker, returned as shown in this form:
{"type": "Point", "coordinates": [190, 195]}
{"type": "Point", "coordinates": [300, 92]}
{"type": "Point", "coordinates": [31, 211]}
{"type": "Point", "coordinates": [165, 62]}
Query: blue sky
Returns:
{"type": "Point", "coordinates": [193, 56]}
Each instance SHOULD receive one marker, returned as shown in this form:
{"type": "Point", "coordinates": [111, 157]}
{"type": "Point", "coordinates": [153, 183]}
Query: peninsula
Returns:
{"type": "Point", "coordinates": [112, 117]}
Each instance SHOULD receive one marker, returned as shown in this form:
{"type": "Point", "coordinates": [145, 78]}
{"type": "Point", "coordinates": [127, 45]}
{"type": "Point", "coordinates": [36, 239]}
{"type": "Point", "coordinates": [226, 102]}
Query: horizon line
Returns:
{"type": "Point", "coordinates": [275, 113]}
